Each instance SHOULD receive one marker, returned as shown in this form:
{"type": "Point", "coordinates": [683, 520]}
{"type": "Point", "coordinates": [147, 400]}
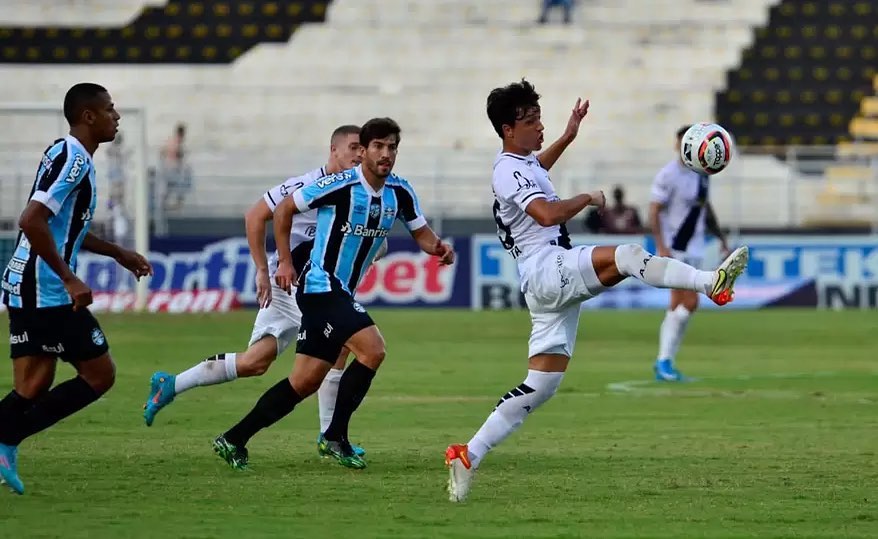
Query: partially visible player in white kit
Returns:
{"type": "Point", "coordinates": [278, 319]}
{"type": "Point", "coordinates": [680, 213]}
{"type": "Point", "coordinates": [556, 277]}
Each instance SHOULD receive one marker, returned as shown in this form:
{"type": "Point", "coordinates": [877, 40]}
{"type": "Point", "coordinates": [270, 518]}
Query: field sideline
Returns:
{"type": "Point", "coordinates": [777, 439]}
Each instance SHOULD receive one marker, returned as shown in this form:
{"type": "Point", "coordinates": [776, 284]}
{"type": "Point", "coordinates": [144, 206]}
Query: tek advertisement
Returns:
{"type": "Point", "coordinates": [789, 271]}
{"type": "Point", "coordinates": [217, 274]}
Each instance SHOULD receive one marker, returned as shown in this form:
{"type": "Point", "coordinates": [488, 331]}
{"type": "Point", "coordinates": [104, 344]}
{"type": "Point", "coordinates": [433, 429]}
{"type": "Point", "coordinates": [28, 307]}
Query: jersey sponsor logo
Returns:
{"type": "Point", "coordinates": [389, 211]}
{"type": "Point", "coordinates": [302, 335]}
{"type": "Point", "coordinates": [327, 331]}
{"type": "Point", "coordinates": [87, 215]}
{"type": "Point", "coordinates": [18, 339]}
{"type": "Point", "coordinates": [16, 265]}
{"type": "Point", "coordinates": [76, 169]}
{"type": "Point", "coordinates": [326, 181]}
{"type": "Point", "coordinates": [12, 289]}
{"type": "Point", "coordinates": [57, 349]}
{"type": "Point", "coordinates": [47, 163]}
{"type": "Point", "coordinates": [559, 264]}
{"type": "Point", "coordinates": [523, 183]}
{"type": "Point", "coordinates": [310, 231]}
{"type": "Point", "coordinates": [363, 231]}
{"type": "Point", "coordinates": [287, 190]}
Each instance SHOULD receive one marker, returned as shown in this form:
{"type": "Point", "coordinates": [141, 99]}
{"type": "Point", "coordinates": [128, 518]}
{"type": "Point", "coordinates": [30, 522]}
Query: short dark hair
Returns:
{"type": "Point", "coordinates": [378, 128]}
{"type": "Point", "coordinates": [342, 130]}
{"type": "Point", "coordinates": [79, 97]}
{"type": "Point", "coordinates": [682, 130]}
{"type": "Point", "coordinates": [511, 103]}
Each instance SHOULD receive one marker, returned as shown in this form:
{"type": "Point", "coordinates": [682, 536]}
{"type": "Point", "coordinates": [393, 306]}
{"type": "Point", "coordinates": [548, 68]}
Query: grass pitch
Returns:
{"type": "Point", "coordinates": [777, 438]}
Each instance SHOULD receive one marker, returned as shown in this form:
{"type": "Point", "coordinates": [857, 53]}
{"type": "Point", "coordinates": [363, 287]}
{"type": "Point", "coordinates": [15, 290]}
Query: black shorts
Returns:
{"type": "Point", "coordinates": [57, 331]}
{"type": "Point", "coordinates": [328, 321]}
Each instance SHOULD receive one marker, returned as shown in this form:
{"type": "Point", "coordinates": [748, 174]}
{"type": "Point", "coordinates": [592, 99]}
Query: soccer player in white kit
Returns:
{"type": "Point", "coordinates": [555, 276]}
{"type": "Point", "coordinates": [278, 319]}
{"type": "Point", "coordinates": [679, 213]}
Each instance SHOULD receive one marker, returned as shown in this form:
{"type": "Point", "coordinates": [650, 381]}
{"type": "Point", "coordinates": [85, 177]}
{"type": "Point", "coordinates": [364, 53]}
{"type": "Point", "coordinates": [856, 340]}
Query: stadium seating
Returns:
{"type": "Point", "coordinates": [803, 79]}
{"type": "Point", "coordinates": [647, 65]}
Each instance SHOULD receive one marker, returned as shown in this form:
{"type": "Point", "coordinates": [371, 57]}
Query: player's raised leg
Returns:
{"type": "Point", "coordinates": [615, 263]}
{"type": "Point", "coordinates": [273, 331]}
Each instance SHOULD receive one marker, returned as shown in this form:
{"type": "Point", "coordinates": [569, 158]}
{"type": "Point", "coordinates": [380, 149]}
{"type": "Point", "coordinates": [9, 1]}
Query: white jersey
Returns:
{"type": "Point", "coordinates": [304, 224]}
{"type": "Point", "coordinates": [683, 194]}
{"type": "Point", "coordinates": [518, 181]}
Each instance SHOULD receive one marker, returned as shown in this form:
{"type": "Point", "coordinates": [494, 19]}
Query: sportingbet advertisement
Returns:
{"type": "Point", "coordinates": [787, 271]}
{"type": "Point", "coordinates": [217, 274]}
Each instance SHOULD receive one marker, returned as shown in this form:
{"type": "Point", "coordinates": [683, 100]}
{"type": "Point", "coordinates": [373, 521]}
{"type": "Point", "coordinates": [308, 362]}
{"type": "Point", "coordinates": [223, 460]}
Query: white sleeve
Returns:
{"type": "Point", "coordinates": [516, 184]}
{"type": "Point", "coordinates": [662, 188]}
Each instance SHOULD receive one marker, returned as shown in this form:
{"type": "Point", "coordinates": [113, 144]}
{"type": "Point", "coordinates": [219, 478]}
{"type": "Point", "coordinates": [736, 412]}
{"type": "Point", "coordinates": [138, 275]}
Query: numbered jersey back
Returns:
{"type": "Point", "coordinates": [518, 181]}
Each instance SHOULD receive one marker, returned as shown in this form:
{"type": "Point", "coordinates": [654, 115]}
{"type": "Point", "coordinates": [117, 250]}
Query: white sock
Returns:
{"type": "Point", "coordinates": [326, 396]}
{"type": "Point", "coordinates": [671, 332]}
{"type": "Point", "coordinates": [213, 370]}
{"type": "Point", "coordinates": [682, 314]}
{"type": "Point", "coordinates": [661, 272]}
{"type": "Point", "coordinates": [510, 412]}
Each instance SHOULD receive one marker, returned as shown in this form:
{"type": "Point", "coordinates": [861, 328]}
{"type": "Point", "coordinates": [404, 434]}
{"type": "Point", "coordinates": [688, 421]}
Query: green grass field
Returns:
{"type": "Point", "coordinates": [778, 439]}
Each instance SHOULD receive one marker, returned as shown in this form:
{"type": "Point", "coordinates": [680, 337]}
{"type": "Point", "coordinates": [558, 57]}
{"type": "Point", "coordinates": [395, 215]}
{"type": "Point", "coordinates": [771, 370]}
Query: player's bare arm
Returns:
{"type": "Point", "coordinates": [254, 224]}
{"type": "Point", "coordinates": [432, 244]}
{"type": "Point", "coordinates": [553, 213]}
{"type": "Point", "coordinates": [34, 223]}
{"type": "Point", "coordinates": [550, 155]}
{"type": "Point", "coordinates": [130, 260]}
{"type": "Point", "coordinates": [712, 224]}
{"type": "Point", "coordinates": [285, 276]}
{"type": "Point", "coordinates": [655, 208]}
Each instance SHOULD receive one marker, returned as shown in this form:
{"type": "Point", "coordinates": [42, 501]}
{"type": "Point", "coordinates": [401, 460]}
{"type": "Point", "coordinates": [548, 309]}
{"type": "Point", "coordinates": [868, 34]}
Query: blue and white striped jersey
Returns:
{"type": "Point", "coordinates": [65, 183]}
{"type": "Point", "coordinates": [352, 222]}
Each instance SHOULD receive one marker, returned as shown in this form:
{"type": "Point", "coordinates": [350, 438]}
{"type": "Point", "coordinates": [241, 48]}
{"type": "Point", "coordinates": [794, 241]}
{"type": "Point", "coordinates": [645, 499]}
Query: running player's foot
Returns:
{"type": "Point", "coordinates": [161, 394]}
{"type": "Point", "coordinates": [460, 472]}
{"type": "Point", "coordinates": [236, 457]}
{"type": "Point", "coordinates": [666, 372]}
{"type": "Point", "coordinates": [733, 266]}
{"type": "Point", "coordinates": [359, 451]}
{"type": "Point", "coordinates": [9, 468]}
{"type": "Point", "coordinates": [343, 452]}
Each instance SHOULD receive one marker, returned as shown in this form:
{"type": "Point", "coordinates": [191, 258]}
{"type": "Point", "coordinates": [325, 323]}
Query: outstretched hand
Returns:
{"type": "Point", "coordinates": [579, 112]}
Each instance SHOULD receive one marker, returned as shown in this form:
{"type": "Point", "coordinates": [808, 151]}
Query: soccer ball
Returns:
{"type": "Point", "coordinates": [706, 148]}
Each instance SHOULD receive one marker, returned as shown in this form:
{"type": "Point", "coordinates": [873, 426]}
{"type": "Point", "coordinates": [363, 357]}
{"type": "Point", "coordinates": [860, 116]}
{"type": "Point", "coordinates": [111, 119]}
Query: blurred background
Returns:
{"type": "Point", "coordinates": [223, 99]}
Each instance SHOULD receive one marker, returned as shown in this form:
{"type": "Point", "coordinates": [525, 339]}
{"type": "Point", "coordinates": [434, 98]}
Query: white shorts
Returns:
{"type": "Point", "coordinates": [555, 281]}
{"type": "Point", "coordinates": [695, 261]}
{"type": "Point", "coordinates": [281, 319]}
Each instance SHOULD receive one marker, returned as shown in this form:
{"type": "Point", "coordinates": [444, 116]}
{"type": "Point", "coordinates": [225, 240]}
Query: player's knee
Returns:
{"type": "Point", "coordinates": [33, 388]}
{"type": "Point", "coordinates": [373, 358]}
{"type": "Point", "coordinates": [101, 376]}
{"type": "Point", "coordinates": [254, 364]}
{"type": "Point", "coordinates": [630, 257]}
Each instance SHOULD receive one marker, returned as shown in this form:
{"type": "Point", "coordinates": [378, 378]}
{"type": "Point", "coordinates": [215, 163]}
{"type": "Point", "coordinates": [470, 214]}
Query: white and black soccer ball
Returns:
{"type": "Point", "coordinates": [706, 148]}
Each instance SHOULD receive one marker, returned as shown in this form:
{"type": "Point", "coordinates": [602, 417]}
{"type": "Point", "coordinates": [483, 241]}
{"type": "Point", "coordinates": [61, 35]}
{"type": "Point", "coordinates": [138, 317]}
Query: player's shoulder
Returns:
{"type": "Point", "coordinates": [508, 163]}
{"type": "Point", "coordinates": [673, 169]}
{"type": "Point", "coordinates": [398, 182]}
